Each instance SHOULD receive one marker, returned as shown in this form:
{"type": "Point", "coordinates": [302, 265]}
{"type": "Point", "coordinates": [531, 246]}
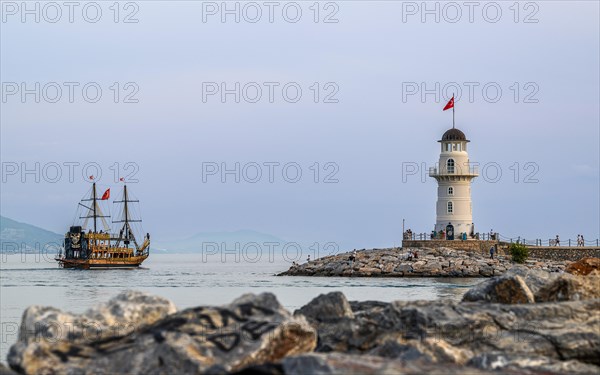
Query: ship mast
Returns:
{"type": "Point", "coordinates": [94, 205]}
{"type": "Point", "coordinates": [126, 229]}
{"type": "Point", "coordinates": [94, 210]}
{"type": "Point", "coordinates": [125, 208]}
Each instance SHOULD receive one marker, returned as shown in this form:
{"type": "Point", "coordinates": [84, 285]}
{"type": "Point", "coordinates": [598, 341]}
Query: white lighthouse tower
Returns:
{"type": "Point", "coordinates": [453, 174]}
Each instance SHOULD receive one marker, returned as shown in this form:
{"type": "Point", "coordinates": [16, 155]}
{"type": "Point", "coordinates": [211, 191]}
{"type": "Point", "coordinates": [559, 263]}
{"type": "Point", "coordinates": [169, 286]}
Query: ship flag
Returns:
{"type": "Point", "coordinates": [106, 195]}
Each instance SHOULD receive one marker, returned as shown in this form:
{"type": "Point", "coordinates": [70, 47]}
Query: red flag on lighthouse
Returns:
{"type": "Point", "coordinates": [106, 195]}
{"type": "Point", "coordinates": [450, 104]}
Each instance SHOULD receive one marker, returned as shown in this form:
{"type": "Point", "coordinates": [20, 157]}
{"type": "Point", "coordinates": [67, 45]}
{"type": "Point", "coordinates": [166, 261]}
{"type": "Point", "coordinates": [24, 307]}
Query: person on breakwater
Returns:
{"type": "Point", "coordinates": [410, 255]}
{"type": "Point", "coordinates": [492, 249]}
{"type": "Point", "coordinates": [308, 259]}
{"type": "Point", "coordinates": [352, 256]}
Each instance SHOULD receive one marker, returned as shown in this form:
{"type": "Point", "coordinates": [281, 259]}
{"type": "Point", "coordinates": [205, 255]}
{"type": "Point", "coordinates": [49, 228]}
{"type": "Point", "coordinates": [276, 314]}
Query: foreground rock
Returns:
{"type": "Point", "coordinates": [525, 322]}
{"type": "Point", "coordinates": [549, 337]}
{"type": "Point", "coordinates": [6, 371]}
{"type": "Point", "coordinates": [584, 266]}
{"type": "Point", "coordinates": [121, 315]}
{"type": "Point", "coordinates": [523, 285]}
{"type": "Point", "coordinates": [440, 262]}
{"type": "Point", "coordinates": [338, 363]}
{"type": "Point", "coordinates": [252, 329]}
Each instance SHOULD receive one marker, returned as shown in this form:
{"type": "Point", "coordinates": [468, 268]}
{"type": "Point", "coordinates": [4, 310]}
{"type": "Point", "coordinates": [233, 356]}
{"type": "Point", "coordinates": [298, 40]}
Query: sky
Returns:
{"type": "Point", "coordinates": [201, 114]}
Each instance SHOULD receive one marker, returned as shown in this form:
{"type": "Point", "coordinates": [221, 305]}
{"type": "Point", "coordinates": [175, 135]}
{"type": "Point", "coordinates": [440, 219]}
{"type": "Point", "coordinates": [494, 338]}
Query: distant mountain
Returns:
{"type": "Point", "coordinates": [207, 240]}
{"type": "Point", "coordinates": [16, 236]}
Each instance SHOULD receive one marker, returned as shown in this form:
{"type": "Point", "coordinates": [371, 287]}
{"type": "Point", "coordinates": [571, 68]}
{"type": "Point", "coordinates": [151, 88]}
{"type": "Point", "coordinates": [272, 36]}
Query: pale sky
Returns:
{"type": "Point", "coordinates": [544, 127]}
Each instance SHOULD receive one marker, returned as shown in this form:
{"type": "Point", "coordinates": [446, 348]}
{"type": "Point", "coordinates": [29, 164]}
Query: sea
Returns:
{"type": "Point", "coordinates": [189, 280]}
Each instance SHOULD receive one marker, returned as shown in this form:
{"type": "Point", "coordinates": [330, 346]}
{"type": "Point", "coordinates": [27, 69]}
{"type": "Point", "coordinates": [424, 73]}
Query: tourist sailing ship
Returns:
{"type": "Point", "coordinates": [89, 248]}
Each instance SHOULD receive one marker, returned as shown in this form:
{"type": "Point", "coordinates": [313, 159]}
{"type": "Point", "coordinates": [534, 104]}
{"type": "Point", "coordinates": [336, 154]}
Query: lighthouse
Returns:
{"type": "Point", "coordinates": [454, 173]}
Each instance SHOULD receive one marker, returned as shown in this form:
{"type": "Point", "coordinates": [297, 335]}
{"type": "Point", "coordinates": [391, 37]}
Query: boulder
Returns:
{"type": "Point", "coordinates": [6, 371]}
{"type": "Point", "coordinates": [568, 287]}
{"type": "Point", "coordinates": [534, 278]}
{"type": "Point", "coordinates": [360, 306]}
{"type": "Point", "coordinates": [583, 266]}
{"type": "Point", "coordinates": [549, 337]}
{"type": "Point", "coordinates": [532, 364]}
{"type": "Point", "coordinates": [404, 268]}
{"type": "Point", "coordinates": [486, 270]}
{"type": "Point", "coordinates": [121, 315]}
{"type": "Point", "coordinates": [524, 285]}
{"type": "Point", "coordinates": [326, 307]}
{"type": "Point", "coordinates": [337, 363]}
{"type": "Point", "coordinates": [389, 267]}
{"type": "Point", "coordinates": [434, 265]}
{"type": "Point", "coordinates": [368, 271]}
{"type": "Point", "coordinates": [470, 270]}
{"type": "Point", "coordinates": [253, 329]}
{"type": "Point", "coordinates": [510, 289]}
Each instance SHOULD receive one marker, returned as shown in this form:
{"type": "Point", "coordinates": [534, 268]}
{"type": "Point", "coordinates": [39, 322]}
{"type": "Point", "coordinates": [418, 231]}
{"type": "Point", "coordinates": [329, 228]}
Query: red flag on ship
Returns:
{"type": "Point", "coordinates": [91, 177]}
{"type": "Point", "coordinates": [122, 179]}
{"type": "Point", "coordinates": [106, 195]}
{"type": "Point", "coordinates": [450, 104]}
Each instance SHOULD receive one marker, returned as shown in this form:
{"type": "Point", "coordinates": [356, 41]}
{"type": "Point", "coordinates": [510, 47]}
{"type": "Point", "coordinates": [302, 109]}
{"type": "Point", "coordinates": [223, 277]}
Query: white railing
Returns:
{"type": "Point", "coordinates": [470, 170]}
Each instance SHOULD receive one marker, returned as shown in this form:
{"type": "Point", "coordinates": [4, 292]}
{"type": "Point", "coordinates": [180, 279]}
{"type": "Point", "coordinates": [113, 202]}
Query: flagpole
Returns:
{"type": "Point", "coordinates": [453, 105]}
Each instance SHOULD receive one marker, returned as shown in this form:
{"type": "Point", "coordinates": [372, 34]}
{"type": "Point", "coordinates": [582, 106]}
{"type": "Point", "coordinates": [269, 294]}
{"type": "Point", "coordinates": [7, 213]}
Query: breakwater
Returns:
{"type": "Point", "coordinates": [430, 262]}
{"type": "Point", "coordinates": [555, 253]}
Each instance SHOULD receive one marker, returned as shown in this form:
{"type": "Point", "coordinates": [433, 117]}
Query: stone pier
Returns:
{"type": "Point", "coordinates": [557, 253]}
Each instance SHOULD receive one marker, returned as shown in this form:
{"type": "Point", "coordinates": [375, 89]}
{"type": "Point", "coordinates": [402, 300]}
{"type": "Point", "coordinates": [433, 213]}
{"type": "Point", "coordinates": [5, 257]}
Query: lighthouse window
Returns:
{"type": "Point", "coordinates": [448, 147]}
{"type": "Point", "coordinates": [450, 207]}
{"type": "Point", "coordinates": [450, 190]}
{"type": "Point", "coordinates": [450, 165]}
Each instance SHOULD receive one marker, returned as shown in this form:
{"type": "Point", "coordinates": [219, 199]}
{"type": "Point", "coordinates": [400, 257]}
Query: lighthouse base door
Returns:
{"type": "Point", "coordinates": [450, 232]}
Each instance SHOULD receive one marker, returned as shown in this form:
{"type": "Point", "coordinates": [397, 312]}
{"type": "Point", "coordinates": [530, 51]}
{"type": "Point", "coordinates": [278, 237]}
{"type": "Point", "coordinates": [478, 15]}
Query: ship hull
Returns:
{"type": "Point", "coordinates": [87, 264]}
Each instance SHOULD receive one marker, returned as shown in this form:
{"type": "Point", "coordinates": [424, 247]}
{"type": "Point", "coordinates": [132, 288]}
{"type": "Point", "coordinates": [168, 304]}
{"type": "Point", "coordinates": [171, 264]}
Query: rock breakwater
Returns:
{"type": "Point", "coordinates": [431, 262]}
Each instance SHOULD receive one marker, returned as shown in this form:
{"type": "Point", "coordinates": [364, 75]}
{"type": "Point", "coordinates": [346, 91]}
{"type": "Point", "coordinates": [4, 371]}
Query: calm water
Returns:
{"type": "Point", "coordinates": [189, 280]}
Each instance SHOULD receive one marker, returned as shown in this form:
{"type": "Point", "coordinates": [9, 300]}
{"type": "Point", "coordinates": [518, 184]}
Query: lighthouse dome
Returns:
{"type": "Point", "coordinates": [454, 135]}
